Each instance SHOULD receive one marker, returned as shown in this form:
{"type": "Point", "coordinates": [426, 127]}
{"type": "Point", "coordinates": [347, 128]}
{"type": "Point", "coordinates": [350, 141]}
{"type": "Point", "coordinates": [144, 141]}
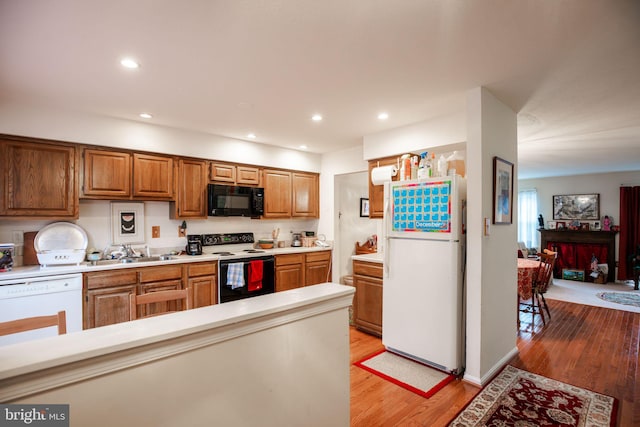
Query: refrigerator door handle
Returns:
{"type": "Point", "coordinates": [386, 215]}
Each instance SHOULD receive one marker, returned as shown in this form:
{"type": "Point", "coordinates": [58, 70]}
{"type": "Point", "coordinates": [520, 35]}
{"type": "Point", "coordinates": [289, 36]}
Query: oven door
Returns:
{"type": "Point", "coordinates": [233, 285]}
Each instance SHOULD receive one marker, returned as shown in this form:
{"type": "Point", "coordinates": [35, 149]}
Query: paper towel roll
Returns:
{"type": "Point", "coordinates": [383, 174]}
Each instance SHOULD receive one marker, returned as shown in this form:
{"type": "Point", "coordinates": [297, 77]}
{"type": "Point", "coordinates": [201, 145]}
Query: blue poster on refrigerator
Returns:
{"type": "Point", "coordinates": [421, 206]}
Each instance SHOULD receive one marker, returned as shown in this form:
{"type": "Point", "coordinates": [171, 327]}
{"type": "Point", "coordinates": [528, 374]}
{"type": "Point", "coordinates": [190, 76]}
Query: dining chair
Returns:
{"type": "Point", "coordinates": [37, 322]}
{"type": "Point", "coordinates": [545, 275]}
{"type": "Point", "coordinates": [156, 297]}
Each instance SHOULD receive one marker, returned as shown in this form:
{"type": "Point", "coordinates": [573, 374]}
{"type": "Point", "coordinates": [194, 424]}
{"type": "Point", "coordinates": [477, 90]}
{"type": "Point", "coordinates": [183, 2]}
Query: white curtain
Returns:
{"type": "Point", "coordinates": [528, 218]}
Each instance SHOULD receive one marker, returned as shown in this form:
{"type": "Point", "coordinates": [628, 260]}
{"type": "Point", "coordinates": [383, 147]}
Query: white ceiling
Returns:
{"type": "Point", "coordinates": [570, 69]}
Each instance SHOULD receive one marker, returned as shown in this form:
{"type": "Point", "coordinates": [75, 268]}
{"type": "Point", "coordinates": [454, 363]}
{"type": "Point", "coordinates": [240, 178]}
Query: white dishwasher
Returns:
{"type": "Point", "coordinates": [41, 296]}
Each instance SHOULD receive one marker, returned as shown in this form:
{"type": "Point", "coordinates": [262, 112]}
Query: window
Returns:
{"type": "Point", "coordinates": [528, 218]}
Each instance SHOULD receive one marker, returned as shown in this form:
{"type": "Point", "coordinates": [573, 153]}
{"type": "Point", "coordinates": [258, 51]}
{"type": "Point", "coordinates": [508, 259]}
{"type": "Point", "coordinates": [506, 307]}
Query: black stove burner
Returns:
{"type": "Point", "coordinates": [253, 251]}
{"type": "Point", "coordinates": [223, 253]}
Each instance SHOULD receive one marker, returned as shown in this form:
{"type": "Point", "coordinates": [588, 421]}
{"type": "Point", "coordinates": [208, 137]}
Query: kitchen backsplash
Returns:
{"type": "Point", "coordinates": [95, 219]}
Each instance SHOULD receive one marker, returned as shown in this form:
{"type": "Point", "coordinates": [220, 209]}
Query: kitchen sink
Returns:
{"type": "Point", "coordinates": [130, 260]}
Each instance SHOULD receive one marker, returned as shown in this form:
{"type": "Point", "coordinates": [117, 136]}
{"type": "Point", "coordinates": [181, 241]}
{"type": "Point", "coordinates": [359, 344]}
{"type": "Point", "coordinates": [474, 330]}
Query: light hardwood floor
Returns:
{"type": "Point", "coordinates": [590, 347]}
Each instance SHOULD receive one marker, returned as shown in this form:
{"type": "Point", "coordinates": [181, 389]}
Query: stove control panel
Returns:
{"type": "Point", "coordinates": [222, 239]}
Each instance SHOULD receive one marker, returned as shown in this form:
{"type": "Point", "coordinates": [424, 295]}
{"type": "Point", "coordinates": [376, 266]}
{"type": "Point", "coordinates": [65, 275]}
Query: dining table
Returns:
{"type": "Point", "coordinates": [526, 272]}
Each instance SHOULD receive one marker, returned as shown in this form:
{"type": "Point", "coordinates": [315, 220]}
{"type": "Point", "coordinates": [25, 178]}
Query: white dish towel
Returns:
{"type": "Point", "coordinates": [235, 275]}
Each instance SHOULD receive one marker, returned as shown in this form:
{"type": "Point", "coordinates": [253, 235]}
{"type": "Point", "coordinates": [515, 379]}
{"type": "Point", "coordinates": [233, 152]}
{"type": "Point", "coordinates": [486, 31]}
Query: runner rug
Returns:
{"type": "Point", "coordinates": [406, 373]}
{"type": "Point", "coordinates": [520, 398]}
{"type": "Point", "coordinates": [626, 298]}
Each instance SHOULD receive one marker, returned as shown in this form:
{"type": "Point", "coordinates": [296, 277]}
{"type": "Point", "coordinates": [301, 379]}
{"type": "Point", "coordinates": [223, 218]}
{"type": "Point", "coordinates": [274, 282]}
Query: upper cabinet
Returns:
{"type": "Point", "coordinates": [152, 176]}
{"type": "Point", "coordinates": [38, 179]}
{"type": "Point", "coordinates": [191, 199]}
{"type": "Point", "coordinates": [277, 193]}
{"type": "Point", "coordinates": [290, 194]}
{"type": "Point", "coordinates": [116, 175]}
{"type": "Point", "coordinates": [106, 173]}
{"type": "Point", "coordinates": [376, 192]}
{"type": "Point", "coordinates": [226, 173]}
{"type": "Point", "coordinates": [305, 189]}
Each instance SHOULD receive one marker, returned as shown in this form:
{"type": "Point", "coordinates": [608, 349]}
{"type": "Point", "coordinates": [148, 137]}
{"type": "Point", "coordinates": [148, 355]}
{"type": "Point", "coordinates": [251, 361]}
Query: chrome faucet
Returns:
{"type": "Point", "coordinates": [128, 251]}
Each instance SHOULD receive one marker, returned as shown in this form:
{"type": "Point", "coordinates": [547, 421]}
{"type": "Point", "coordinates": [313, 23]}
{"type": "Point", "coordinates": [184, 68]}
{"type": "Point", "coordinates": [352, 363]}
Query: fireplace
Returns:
{"type": "Point", "coordinates": [576, 247]}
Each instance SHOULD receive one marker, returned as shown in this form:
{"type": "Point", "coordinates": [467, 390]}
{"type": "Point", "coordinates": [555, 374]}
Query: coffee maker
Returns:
{"type": "Point", "coordinates": [194, 245]}
{"type": "Point", "coordinates": [296, 242]}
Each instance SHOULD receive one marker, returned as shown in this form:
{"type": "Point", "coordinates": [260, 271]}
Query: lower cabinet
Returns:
{"type": "Point", "coordinates": [367, 307]}
{"type": "Point", "coordinates": [106, 293]}
{"type": "Point", "coordinates": [201, 279]}
{"type": "Point", "coordinates": [289, 271]}
{"type": "Point", "coordinates": [106, 297]}
{"type": "Point", "coordinates": [302, 269]}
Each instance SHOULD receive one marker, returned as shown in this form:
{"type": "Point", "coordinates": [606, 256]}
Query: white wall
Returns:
{"type": "Point", "coordinates": [112, 132]}
{"type": "Point", "coordinates": [607, 185]}
{"type": "Point", "coordinates": [351, 227]}
{"type": "Point", "coordinates": [491, 260]}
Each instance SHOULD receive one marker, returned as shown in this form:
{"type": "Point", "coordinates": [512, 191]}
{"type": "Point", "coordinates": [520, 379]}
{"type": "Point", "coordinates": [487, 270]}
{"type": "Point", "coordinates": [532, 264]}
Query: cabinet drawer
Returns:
{"type": "Point", "coordinates": [157, 274]}
{"type": "Point", "coordinates": [203, 269]}
{"type": "Point", "coordinates": [319, 256]}
{"type": "Point", "coordinates": [106, 279]}
{"type": "Point", "coordinates": [371, 269]}
{"type": "Point", "coordinates": [289, 259]}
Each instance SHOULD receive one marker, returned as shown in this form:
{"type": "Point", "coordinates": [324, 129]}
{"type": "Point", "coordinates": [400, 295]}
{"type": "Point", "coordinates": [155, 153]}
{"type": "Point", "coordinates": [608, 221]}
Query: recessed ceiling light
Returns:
{"type": "Point", "coordinates": [129, 63]}
{"type": "Point", "coordinates": [316, 117]}
{"type": "Point", "coordinates": [383, 116]}
{"type": "Point", "coordinates": [251, 135]}
{"type": "Point", "coordinates": [302, 147]}
{"type": "Point", "coordinates": [146, 115]}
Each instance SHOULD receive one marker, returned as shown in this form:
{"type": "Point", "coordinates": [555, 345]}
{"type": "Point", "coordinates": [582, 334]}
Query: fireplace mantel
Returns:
{"type": "Point", "coordinates": [548, 237]}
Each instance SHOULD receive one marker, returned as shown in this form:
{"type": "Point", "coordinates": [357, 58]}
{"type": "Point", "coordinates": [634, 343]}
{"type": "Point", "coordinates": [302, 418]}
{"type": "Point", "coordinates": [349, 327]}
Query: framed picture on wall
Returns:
{"type": "Point", "coordinates": [502, 191]}
{"type": "Point", "coordinates": [576, 206]}
{"type": "Point", "coordinates": [127, 223]}
{"type": "Point", "coordinates": [364, 207]}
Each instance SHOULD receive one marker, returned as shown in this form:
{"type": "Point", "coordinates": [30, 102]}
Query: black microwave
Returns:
{"type": "Point", "coordinates": [232, 200]}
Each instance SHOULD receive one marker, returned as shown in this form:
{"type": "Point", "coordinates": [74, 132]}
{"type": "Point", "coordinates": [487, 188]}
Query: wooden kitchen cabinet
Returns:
{"type": "Point", "coordinates": [202, 281]}
{"type": "Point", "coordinates": [106, 174]}
{"type": "Point", "coordinates": [115, 175]}
{"type": "Point", "coordinates": [38, 179]}
{"type": "Point", "coordinates": [277, 193]}
{"type": "Point", "coordinates": [191, 198]}
{"type": "Point", "coordinates": [106, 297]}
{"type": "Point", "coordinates": [367, 307]}
{"type": "Point", "coordinates": [317, 267]}
{"type": "Point", "coordinates": [161, 278]}
{"type": "Point", "coordinates": [290, 271]}
{"type": "Point", "coordinates": [152, 176]}
{"type": "Point", "coordinates": [305, 197]}
{"type": "Point", "coordinates": [376, 192]}
{"type": "Point", "coordinates": [226, 173]}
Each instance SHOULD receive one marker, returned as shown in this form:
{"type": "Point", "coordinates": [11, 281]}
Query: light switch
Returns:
{"type": "Point", "coordinates": [487, 224]}
{"type": "Point", "coordinates": [155, 231]}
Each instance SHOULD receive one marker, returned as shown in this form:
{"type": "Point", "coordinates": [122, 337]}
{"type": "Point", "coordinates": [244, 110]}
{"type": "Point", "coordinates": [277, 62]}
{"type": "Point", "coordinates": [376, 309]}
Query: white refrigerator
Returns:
{"type": "Point", "coordinates": [424, 264]}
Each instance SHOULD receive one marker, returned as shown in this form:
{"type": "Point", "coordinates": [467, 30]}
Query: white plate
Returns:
{"type": "Point", "coordinates": [60, 236]}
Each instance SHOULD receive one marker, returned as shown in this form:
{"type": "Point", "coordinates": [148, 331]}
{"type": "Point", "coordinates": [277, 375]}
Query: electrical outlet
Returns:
{"type": "Point", "coordinates": [182, 231]}
{"type": "Point", "coordinates": [155, 231]}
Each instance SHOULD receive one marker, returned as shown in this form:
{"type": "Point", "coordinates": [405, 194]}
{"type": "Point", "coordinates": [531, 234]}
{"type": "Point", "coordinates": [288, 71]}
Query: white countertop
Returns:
{"type": "Point", "coordinates": [374, 257]}
{"type": "Point", "coordinates": [25, 272]}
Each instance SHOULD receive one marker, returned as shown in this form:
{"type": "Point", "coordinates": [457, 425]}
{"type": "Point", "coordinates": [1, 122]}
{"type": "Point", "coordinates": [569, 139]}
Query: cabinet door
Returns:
{"type": "Point", "coordinates": [38, 180]}
{"type": "Point", "coordinates": [192, 190]}
{"type": "Point", "coordinates": [107, 174]}
{"type": "Point", "coordinates": [152, 176]}
{"type": "Point", "coordinates": [247, 175]}
{"type": "Point", "coordinates": [317, 267]}
{"type": "Point", "coordinates": [289, 271]}
{"type": "Point", "coordinates": [376, 192]}
{"type": "Point", "coordinates": [160, 307]}
{"type": "Point", "coordinates": [305, 195]}
{"type": "Point", "coordinates": [277, 194]}
{"type": "Point", "coordinates": [367, 308]}
{"type": "Point", "coordinates": [222, 172]}
{"type": "Point", "coordinates": [106, 306]}
{"type": "Point", "coordinates": [203, 290]}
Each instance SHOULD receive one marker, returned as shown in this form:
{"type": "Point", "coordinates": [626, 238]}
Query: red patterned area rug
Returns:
{"type": "Point", "coordinates": [522, 399]}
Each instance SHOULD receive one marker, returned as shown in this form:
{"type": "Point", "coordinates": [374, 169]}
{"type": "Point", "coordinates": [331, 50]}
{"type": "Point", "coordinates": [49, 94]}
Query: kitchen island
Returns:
{"type": "Point", "coordinates": [278, 359]}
